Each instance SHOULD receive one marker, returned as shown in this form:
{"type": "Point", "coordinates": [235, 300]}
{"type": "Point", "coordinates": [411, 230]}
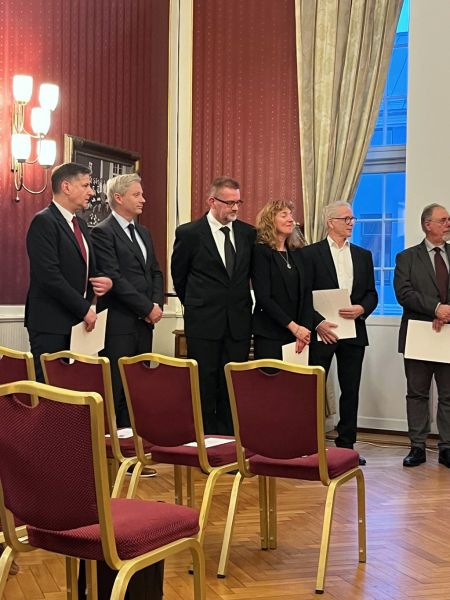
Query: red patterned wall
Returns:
{"type": "Point", "coordinates": [245, 102]}
{"type": "Point", "coordinates": [110, 59]}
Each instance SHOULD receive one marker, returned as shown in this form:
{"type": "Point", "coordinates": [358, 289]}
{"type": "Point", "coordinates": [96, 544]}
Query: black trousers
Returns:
{"type": "Point", "coordinates": [349, 358]}
{"type": "Point", "coordinates": [212, 356]}
{"type": "Point", "coordinates": [46, 342]}
{"type": "Point", "coordinates": [128, 344]}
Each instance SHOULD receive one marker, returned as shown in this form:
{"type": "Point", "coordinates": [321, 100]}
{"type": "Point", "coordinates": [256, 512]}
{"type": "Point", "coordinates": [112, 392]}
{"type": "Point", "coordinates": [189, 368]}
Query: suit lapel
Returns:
{"type": "Point", "coordinates": [66, 228]}
{"type": "Point", "coordinates": [423, 255]}
{"type": "Point", "coordinates": [124, 237]}
{"type": "Point", "coordinates": [324, 249]}
{"type": "Point", "coordinates": [210, 244]}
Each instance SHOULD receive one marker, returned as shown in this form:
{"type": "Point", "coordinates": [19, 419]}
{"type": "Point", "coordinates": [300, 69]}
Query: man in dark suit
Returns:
{"type": "Point", "coordinates": [211, 273]}
{"type": "Point", "coordinates": [421, 283]}
{"type": "Point", "coordinates": [124, 251]}
{"type": "Point", "coordinates": [335, 263]}
{"type": "Point", "coordinates": [62, 266]}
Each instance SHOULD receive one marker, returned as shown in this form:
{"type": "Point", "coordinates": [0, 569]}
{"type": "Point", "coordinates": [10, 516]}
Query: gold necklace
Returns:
{"type": "Point", "coordinates": [285, 258]}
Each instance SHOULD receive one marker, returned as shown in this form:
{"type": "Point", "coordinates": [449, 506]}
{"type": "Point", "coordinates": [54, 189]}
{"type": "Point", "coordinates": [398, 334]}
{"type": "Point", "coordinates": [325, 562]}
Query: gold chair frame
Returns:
{"type": "Point", "coordinates": [267, 485]}
{"type": "Point", "coordinates": [120, 464]}
{"type": "Point", "coordinates": [213, 473]}
{"type": "Point", "coordinates": [125, 568]}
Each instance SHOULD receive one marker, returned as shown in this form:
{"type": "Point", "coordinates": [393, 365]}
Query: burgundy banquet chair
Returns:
{"type": "Point", "coordinates": [53, 476]}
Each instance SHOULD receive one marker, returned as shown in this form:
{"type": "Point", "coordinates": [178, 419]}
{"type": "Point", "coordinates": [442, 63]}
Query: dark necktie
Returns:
{"type": "Point", "coordinates": [441, 274]}
{"type": "Point", "coordinates": [79, 238]}
{"type": "Point", "coordinates": [131, 229]}
{"type": "Point", "coordinates": [230, 252]}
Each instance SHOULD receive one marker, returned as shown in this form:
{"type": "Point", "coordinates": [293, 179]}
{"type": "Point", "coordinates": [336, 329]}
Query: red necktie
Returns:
{"type": "Point", "coordinates": [441, 274]}
{"type": "Point", "coordinates": [79, 238]}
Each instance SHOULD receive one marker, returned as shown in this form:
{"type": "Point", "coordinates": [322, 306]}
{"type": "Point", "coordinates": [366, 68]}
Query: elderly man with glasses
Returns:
{"type": "Point", "coordinates": [211, 274]}
{"type": "Point", "coordinates": [335, 263]}
{"type": "Point", "coordinates": [421, 283]}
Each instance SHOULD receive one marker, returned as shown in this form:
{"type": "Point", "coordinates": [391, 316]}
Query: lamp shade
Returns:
{"type": "Point", "coordinates": [48, 95]}
{"type": "Point", "coordinates": [40, 120]}
{"type": "Point", "coordinates": [46, 152]}
{"type": "Point", "coordinates": [21, 146]}
{"type": "Point", "coordinates": [22, 88]}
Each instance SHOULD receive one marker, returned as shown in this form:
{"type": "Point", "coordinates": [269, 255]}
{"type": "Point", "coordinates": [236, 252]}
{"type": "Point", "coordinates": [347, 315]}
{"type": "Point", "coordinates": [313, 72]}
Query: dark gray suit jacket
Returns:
{"type": "Point", "coordinates": [415, 287]}
{"type": "Point", "coordinates": [212, 301]}
{"type": "Point", "coordinates": [136, 284]}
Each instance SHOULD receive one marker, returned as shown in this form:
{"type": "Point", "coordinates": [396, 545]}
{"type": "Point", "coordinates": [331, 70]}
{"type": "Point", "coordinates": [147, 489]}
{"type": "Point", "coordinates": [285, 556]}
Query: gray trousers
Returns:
{"type": "Point", "coordinates": [419, 374]}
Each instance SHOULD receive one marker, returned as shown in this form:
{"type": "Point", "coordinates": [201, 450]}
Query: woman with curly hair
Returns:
{"type": "Point", "coordinates": [283, 310]}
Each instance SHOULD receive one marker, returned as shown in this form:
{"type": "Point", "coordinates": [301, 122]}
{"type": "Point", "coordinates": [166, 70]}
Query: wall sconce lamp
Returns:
{"type": "Point", "coordinates": [21, 139]}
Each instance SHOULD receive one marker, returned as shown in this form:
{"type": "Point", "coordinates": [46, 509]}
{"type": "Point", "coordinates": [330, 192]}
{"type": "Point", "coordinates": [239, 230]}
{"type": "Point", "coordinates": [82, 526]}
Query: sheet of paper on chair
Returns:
{"type": "Point", "coordinates": [212, 441]}
{"type": "Point", "coordinates": [291, 356]}
{"type": "Point", "coordinates": [422, 343]}
{"type": "Point", "coordinates": [90, 343]}
{"type": "Point", "coordinates": [328, 303]}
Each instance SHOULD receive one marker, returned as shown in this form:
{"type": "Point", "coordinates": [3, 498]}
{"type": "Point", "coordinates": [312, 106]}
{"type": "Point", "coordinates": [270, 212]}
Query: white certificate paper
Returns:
{"type": "Point", "coordinates": [328, 303]}
{"type": "Point", "coordinates": [90, 343]}
{"type": "Point", "coordinates": [291, 356]}
{"type": "Point", "coordinates": [422, 343]}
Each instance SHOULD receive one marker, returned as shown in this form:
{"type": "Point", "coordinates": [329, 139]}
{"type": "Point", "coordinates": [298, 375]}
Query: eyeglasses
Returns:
{"type": "Point", "coordinates": [442, 221]}
{"type": "Point", "coordinates": [230, 203]}
{"type": "Point", "coordinates": [348, 220]}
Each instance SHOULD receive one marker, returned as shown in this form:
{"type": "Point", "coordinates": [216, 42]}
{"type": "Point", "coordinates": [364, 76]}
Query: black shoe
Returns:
{"type": "Point", "coordinates": [362, 460]}
{"type": "Point", "coordinates": [416, 457]}
{"type": "Point", "coordinates": [444, 457]}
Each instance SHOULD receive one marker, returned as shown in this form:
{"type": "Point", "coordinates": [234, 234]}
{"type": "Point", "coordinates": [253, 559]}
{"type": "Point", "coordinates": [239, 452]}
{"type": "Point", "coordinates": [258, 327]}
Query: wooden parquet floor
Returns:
{"type": "Point", "coordinates": [408, 547]}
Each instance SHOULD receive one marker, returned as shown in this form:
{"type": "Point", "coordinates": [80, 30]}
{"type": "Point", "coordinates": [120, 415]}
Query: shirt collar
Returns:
{"type": "Point", "coordinates": [430, 246]}
{"type": "Point", "coordinates": [65, 213]}
{"type": "Point", "coordinates": [215, 224]}
{"type": "Point", "coordinates": [121, 220]}
{"type": "Point", "coordinates": [333, 244]}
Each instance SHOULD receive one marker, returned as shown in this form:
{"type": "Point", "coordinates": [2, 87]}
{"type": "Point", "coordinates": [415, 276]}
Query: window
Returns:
{"type": "Point", "coordinates": [379, 201]}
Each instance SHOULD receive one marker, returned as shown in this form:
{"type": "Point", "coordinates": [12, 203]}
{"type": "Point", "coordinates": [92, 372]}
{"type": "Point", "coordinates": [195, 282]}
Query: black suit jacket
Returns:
{"type": "Point", "coordinates": [136, 284]}
{"type": "Point", "coordinates": [322, 273]}
{"type": "Point", "coordinates": [211, 299]}
{"type": "Point", "coordinates": [55, 300]}
{"type": "Point", "coordinates": [415, 287]}
{"type": "Point", "coordinates": [276, 302]}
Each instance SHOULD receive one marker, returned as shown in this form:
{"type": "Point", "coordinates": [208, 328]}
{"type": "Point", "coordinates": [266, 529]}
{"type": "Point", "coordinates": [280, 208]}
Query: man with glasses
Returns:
{"type": "Point", "coordinates": [335, 263]}
{"type": "Point", "coordinates": [421, 283]}
{"type": "Point", "coordinates": [211, 273]}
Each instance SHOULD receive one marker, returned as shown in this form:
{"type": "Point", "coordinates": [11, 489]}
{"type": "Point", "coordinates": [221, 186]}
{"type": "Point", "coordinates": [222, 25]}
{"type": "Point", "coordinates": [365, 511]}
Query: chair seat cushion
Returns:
{"type": "Point", "coordinates": [126, 446]}
{"type": "Point", "coordinates": [218, 456]}
{"type": "Point", "coordinates": [139, 527]}
{"type": "Point", "coordinates": [340, 460]}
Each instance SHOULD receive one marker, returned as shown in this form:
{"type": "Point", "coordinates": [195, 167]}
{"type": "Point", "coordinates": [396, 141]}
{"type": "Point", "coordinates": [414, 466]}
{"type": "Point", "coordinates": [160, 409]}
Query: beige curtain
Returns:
{"type": "Point", "coordinates": [343, 53]}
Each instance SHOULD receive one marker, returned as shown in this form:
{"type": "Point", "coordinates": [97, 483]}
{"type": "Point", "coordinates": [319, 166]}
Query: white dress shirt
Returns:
{"type": "Point", "coordinates": [219, 236]}
{"type": "Point", "coordinates": [343, 263]}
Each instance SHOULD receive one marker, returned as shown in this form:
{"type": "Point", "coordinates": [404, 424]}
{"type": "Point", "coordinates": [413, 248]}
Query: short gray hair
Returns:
{"type": "Point", "coordinates": [119, 185]}
{"type": "Point", "coordinates": [427, 213]}
{"type": "Point", "coordinates": [331, 210]}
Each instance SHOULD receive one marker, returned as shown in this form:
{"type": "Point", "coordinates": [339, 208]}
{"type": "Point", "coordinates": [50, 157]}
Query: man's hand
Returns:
{"type": "Point", "coordinates": [154, 315]}
{"type": "Point", "coordinates": [443, 313]}
{"type": "Point", "coordinates": [101, 285]}
{"type": "Point", "coordinates": [437, 325]}
{"type": "Point", "coordinates": [351, 312]}
{"type": "Point", "coordinates": [89, 319]}
{"type": "Point", "coordinates": [325, 330]}
{"type": "Point", "coordinates": [299, 345]}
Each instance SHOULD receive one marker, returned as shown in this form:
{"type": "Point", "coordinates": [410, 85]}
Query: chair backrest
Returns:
{"type": "Point", "coordinates": [16, 366]}
{"type": "Point", "coordinates": [163, 398]}
{"type": "Point", "coordinates": [82, 374]}
{"type": "Point", "coordinates": [50, 452]}
{"type": "Point", "coordinates": [279, 414]}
